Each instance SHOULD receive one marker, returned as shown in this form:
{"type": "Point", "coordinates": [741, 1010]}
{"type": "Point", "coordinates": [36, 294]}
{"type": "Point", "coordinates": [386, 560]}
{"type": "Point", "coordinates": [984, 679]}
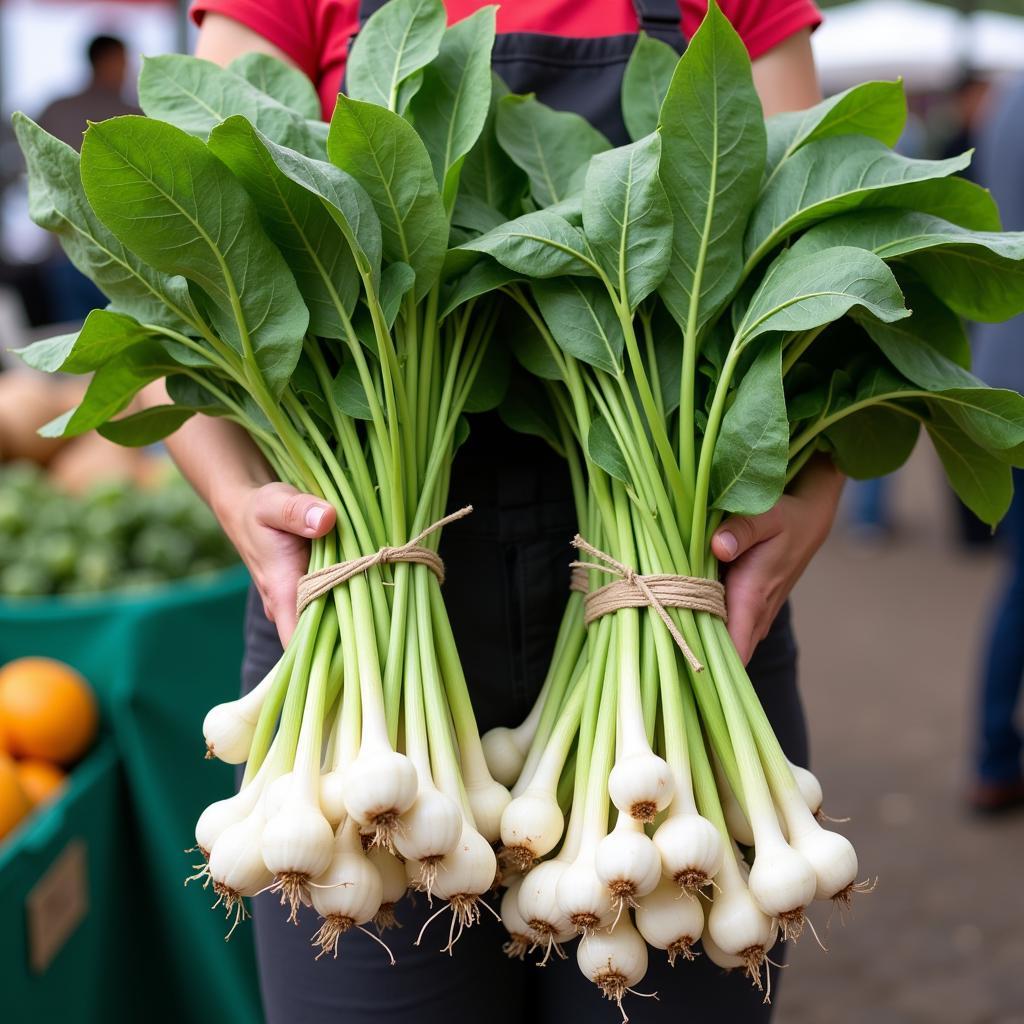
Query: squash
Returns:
{"type": "Point", "coordinates": [48, 709]}
{"type": "Point", "coordinates": [40, 780]}
{"type": "Point", "coordinates": [14, 804]}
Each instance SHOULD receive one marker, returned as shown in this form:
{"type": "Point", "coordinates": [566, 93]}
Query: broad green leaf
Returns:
{"type": "Point", "coordinates": [384, 154]}
{"type": "Point", "coordinates": [524, 340]}
{"type": "Point", "coordinates": [348, 393]}
{"type": "Point", "coordinates": [626, 217]}
{"type": "Point", "coordinates": [297, 222]}
{"type": "Point", "coordinates": [873, 441]}
{"type": "Point", "coordinates": [190, 393]}
{"type": "Point", "coordinates": [604, 450]}
{"type": "Point", "coordinates": [748, 469]}
{"type": "Point", "coordinates": [713, 145]}
{"type": "Point", "coordinates": [993, 417]}
{"type": "Point", "coordinates": [451, 106]}
{"type": "Point", "coordinates": [57, 202]}
{"type": "Point", "coordinates": [476, 215]}
{"type": "Point", "coordinates": [103, 336]}
{"type": "Point", "coordinates": [491, 383]}
{"type": "Point", "coordinates": [485, 276]}
{"type": "Point", "coordinates": [536, 245]}
{"type": "Point", "coordinates": [583, 321]}
{"type": "Point", "coordinates": [875, 109]}
{"type": "Point", "coordinates": [283, 82]}
{"type": "Point", "coordinates": [849, 172]}
{"type": "Point", "coordinates": [645, 84]}
{"type": "Point", "coordinates": [980, 274]}
{"type": "Point", "coordinates": [395, 42]}
{"type": "Point", "coordinates": [146, 427]}
{"type": "Point", "coordinates": [196, 95]}
{"type": "Point", "coordinates": [551, 146]}
{"type": "Point", "coordinates": [488, 174]}
{"type": "Point", "coordinates": [112, 388]}
{"type": "Point", "coordinates": [170, 200]}
{"type": "Point", "coordinates": [527, 410]}
{"type": "Point", "coordinates": [804, 292]}
{"type": "Point", "coordinates": [982, 481]}
{"type": "Point", "coordinates": [395, 282]}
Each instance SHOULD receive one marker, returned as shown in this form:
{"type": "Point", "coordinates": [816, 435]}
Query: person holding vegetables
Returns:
{"type": "Point", "coordinates": [503, 597]}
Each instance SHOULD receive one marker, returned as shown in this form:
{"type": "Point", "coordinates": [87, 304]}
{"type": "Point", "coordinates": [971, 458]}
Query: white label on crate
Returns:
{"type": "Point", "coordinates": [56, 905]}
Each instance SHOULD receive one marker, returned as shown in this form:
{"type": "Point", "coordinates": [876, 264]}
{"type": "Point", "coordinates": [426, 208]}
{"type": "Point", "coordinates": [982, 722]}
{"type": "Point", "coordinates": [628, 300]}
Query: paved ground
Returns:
{"type": "Point", "coordinates": [889, 643]}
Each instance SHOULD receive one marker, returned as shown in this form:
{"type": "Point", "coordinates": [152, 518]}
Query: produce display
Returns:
{"type": "Point", "coordinates": [48, 722]}
{"type": "Point", "coordinates": [116, 535]}
{"type": "Point", "coordinates": [692, 317]}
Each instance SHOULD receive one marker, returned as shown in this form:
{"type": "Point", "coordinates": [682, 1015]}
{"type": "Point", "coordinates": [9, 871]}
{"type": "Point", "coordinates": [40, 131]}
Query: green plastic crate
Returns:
{"type": "Point", "coordinates": [58, 900]}
{"type": "Point", "coordinates": [158, 660]}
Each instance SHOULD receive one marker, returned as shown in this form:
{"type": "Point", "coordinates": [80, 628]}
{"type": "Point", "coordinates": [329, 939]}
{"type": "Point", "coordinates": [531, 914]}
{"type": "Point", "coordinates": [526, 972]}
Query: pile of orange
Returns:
{"type": "Point", "coordinates": [48, 720]}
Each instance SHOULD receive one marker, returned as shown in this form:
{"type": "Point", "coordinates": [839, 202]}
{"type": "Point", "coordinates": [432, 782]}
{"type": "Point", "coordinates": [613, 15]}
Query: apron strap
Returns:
{"type": "Point", "coordinates": [661, 19]}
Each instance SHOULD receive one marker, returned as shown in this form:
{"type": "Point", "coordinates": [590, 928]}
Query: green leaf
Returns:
{"type": "Point", "coordinates": [551, 146]}
{"type": "Point", "coordinates": [395, 282]}
{"type": "Point", "coordinates": [485, 276]}
{"type": "Point", "coordinates": [536, 245]}
{"type": "Point", "coordinates": [170, 200]}
{"type": "Point", "coordinates": [748, 469]}
{"type": "Point", "coordinates": [835, 175]}
{"type": "Point", "coordinates": [103, 336]}
{"type": "Point", "coordinates": [713, 146]}
{"type": "Point", "coordinates": [451, 106]}
{"type": "Point", "coordinates": [582, 320]}
{"type": "Point", "coordinates": [397, 40]}
{"type": "Point", "coordinates": [57, 202]}
{"type": "Point", "coordinates": [524, 340]}
{"type": "Point", "coordinates": [297, 222]}
{"type": "Point", "coordinates": [492, 379]}
{"type": "Point", "coordinates": [146, 427]}
{"type": "Point", "coordinates": [190, 393]}
{"type": "Point", "coordinates": [286, 84]}
{"type": "Point", "coordinates": [348, 393]}
{"type": "Point", "coordinates": [803, 292]}
{"type": "Point", "coordinates": [487, 173]}
{"type": "Point", "coordinates": [384, 154]}
{"type": "Point", "coordinates": [873, 442]}
{"type": "Point", "coordinates": [476, 215]}
{"type": "Point", "coordinates": [626, 217]}
{"type": "Point", "coordinates": [112, 388]}
{"type": "Point", "coordinates": [527, 410]}
{"type": "Point", "coordinates": [196, 95]}
{"type": "Point", "coordinates": [993, 417]}
{"type": "Point", "coordinates": [604, 450]}
{"type": "Point", "coordinates": [645, 84]}
{"type": "Point", "coordinates": [875, 109]}
{"type": "Point", "coordinates": [983, 482]}
{"type": "Point", "coordinates": [980, 274]}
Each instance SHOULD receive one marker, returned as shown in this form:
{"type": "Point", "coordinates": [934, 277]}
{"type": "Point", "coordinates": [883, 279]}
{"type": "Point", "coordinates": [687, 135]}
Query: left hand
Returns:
{"type": "Point", "coordinates": [767, 554]}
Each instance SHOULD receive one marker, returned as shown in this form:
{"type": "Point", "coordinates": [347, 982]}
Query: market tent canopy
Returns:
{"type": "Point", "coordinates": [926, 44]}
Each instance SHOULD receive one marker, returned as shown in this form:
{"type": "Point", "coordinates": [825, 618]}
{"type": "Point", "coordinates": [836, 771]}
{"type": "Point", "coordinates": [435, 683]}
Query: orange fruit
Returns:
{"type": "Point", "coordinates": [48, 710]}
{"type": "Point", "coordinates": [14, 804]}
{"type": "Point", "coordinates": [39, 780]}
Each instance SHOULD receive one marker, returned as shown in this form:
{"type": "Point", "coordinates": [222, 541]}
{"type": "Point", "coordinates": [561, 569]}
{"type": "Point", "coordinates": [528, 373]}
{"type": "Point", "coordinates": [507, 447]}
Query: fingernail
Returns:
{"type": "Point", "coordinates": [728, 542]}
{"type": "Point", "coordinates": [315, 516]}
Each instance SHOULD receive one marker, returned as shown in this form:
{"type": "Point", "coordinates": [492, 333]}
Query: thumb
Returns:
{"type": "Point", "coordinates": [739, 534]}
{"type": "Point", "coordinates": [281, 507]}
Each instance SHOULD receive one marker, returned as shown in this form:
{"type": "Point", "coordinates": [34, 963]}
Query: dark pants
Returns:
{"type": "Point", "coordinates": [999, 741]}
{"type": "Point", "coordinates": [518, 540]}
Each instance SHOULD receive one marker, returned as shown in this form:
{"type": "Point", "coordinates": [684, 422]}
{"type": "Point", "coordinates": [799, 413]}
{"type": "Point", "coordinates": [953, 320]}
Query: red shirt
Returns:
{"type": "Point", "coordinates": [315, 33]}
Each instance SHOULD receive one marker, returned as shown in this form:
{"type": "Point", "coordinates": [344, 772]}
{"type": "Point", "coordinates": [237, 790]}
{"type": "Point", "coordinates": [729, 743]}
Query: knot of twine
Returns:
{"type": "Point", "coordinates": [658, 592]}
{"type": "Point", "coordinates": [322, 581]}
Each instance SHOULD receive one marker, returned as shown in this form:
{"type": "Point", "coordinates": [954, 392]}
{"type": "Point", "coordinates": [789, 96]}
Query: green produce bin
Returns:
{"type": "Point", "coordinates": [58, 900]}
{"type": "Point", "coordinates": [158, 659]}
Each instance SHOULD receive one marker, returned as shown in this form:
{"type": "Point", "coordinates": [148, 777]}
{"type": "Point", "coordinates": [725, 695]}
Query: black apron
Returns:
{"type": "Point", "coordinates": [518, 541]}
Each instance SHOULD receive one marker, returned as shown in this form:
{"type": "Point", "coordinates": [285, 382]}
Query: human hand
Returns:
{"type": "Point", "coordinates": [767, 554]}
{"type": "Point", "coordinates": [271, 526]}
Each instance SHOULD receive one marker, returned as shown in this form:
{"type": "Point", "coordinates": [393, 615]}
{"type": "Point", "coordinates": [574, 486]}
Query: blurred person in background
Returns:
{"type": "Point", "coordinates": [999, 348]}
{"type": "Point", "coordinates": [70, 294]}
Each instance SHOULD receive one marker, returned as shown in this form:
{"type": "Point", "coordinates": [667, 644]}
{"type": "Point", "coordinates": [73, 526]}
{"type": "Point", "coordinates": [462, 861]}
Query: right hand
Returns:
{"type": "Point", "coordinates": [271, 526]}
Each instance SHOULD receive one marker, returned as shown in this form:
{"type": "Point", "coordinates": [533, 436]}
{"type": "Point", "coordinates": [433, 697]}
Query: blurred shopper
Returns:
{"type": "Point", "coordinates": [71, 295]}
{"type": "Point", "coordinates": [999, 783]}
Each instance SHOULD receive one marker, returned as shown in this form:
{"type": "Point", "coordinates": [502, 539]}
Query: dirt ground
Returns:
{"type": "Point", "coordinates": [890, 637]}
